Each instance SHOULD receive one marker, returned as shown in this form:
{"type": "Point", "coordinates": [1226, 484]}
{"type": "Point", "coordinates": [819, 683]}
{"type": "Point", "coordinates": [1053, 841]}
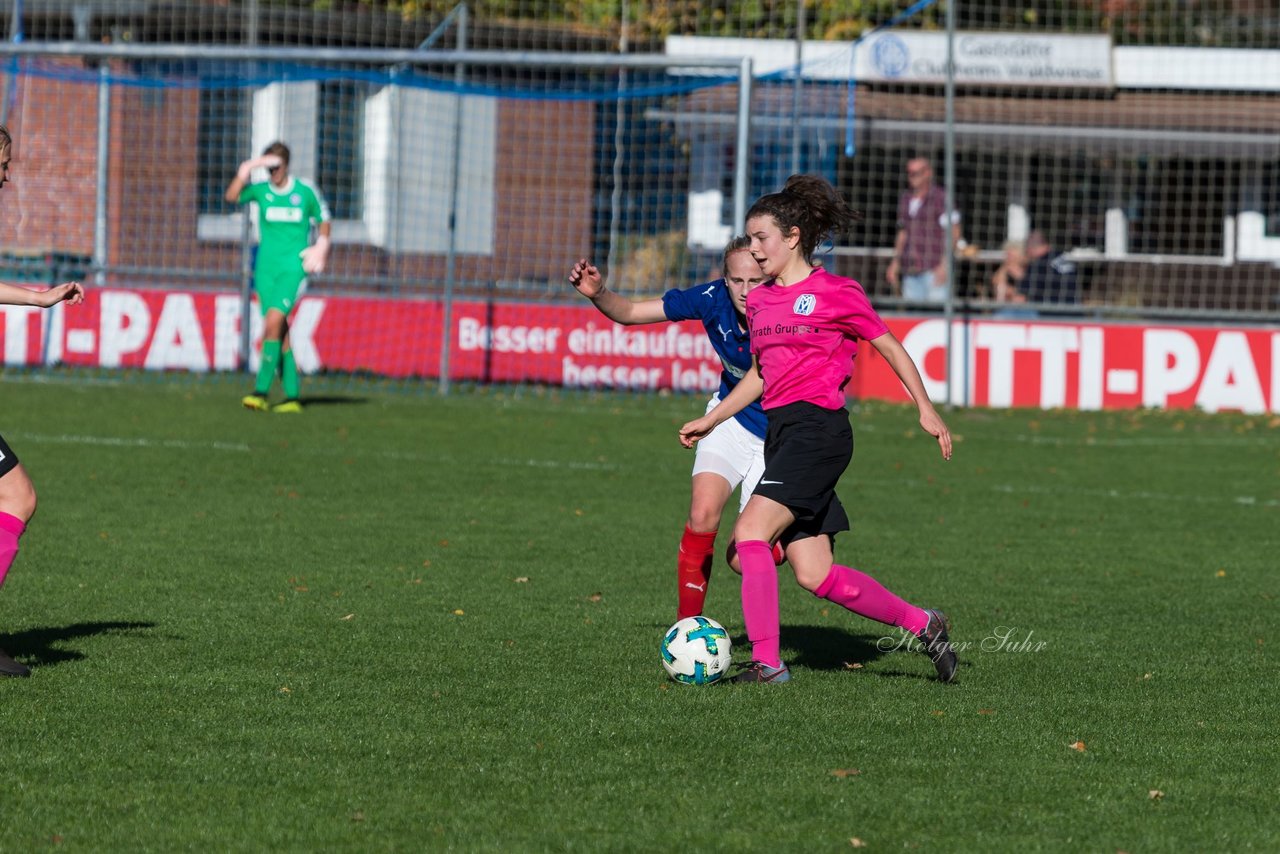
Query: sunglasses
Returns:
{"type": "Point", "coordinates": [273, 169]}
{"type": "Point", "coordinates": [912, 173]}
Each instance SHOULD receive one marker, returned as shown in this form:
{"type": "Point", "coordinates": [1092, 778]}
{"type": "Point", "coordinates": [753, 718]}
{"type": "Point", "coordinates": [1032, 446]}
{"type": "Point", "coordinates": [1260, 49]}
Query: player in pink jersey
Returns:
{"type": "Point", "coordinates": [805, 326]}
{"type": "Point", "coordinates": [17, 493]}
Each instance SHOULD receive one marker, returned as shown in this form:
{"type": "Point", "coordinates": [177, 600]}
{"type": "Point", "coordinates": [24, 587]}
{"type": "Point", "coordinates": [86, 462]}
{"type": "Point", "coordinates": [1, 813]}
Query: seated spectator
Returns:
{"type": "Point", "coordinates": [1051, 276]}
{"type": "Point", "coordinates": [1007, 282]}
{"type": "Point", "coordinates": [1009, 275]}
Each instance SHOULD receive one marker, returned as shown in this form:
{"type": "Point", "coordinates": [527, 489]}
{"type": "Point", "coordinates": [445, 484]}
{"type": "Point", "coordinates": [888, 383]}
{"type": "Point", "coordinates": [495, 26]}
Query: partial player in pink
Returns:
{"type": "Point", "coordinates": [17, 493]}
{"type": "Point", "coordinates": [805, 327]}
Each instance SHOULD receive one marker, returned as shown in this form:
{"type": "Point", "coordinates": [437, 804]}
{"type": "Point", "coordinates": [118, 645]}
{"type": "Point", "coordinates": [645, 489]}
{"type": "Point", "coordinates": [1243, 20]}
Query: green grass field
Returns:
{"type": "Point", "coordinates": [403, 622]}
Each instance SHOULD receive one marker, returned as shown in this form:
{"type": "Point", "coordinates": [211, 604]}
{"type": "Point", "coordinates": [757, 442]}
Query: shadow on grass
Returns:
{"type": "Point", "coordinates": [825, 648]}
{"type": "Point", "coordinates": [828, 648]}
{"type": "Point", "coordinates": [332, 400]}
{"type": "Point", "coordinates": [36, 646]}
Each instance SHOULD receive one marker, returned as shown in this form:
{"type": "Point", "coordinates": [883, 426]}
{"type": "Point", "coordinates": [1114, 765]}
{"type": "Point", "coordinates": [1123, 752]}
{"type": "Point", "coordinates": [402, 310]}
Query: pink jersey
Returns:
{"type": "Point", "coordinates": [805, 337]}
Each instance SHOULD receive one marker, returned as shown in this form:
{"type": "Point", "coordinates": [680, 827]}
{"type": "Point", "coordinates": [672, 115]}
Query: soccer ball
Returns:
{"type": "Point", "coordinates": [695, 651]}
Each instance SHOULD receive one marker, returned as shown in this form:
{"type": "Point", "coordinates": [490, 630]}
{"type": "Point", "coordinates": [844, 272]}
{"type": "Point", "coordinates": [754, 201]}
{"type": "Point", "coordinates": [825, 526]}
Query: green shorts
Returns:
{"type": "Point", "coordinates": [279, 288]}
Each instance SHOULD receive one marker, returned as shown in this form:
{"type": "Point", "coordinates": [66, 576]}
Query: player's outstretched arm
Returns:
{"type": "Point", "coordinates": [586, 279]}
{"type": "Point", "coordinates": [245, 173]}
{"type": "Point", "coordinates": [744, 393]}
{"type": "Point", "coordinates": [70, 292]}
{"type": "Point", "coordinates": [900, 360]}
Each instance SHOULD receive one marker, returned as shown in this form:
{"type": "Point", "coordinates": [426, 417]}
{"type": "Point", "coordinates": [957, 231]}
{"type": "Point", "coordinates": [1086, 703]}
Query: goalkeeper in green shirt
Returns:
{"type": "Point", "coordinates": [287, 209]}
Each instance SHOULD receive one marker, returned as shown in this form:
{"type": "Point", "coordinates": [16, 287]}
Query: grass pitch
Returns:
{"type": "Point", "coordinates": [417, 623]}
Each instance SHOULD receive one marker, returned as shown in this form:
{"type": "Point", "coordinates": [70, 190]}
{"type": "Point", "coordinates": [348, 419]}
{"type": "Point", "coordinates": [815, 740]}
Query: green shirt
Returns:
{"type": "Point", "coordinates": [285, 216]}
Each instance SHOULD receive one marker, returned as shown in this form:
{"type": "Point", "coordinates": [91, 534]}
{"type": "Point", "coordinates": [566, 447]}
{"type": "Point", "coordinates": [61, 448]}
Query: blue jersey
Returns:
{"type": "Point", "coordinates": [713, 306]}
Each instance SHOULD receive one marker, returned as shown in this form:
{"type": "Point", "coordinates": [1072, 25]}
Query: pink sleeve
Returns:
{"type": "Point", "coordinates": [859, 317]}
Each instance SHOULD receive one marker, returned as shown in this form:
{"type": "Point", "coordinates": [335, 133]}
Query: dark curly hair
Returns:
{"type": "Point", "coordinates": [810, 204]}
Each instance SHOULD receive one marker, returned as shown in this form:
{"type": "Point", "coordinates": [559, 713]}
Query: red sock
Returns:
{"type": "Point", "coordinates": [693, 571]}
{"type": "Point", "coordinates": [11, 528]}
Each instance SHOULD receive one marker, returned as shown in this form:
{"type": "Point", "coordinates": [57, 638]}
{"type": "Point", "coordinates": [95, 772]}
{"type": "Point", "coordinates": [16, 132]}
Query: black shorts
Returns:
{"type": "Point", "coordinates": [806, 450]}
{"type": "Point", "coordinates": [8, 459]}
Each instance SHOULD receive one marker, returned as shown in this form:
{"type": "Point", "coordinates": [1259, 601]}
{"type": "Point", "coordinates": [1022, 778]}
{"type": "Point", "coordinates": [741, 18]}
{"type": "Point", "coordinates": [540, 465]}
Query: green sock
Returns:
{"type": "Point", "coordinates": [289, 375]}
{"type": "Point", "coordinates": [267, 368]}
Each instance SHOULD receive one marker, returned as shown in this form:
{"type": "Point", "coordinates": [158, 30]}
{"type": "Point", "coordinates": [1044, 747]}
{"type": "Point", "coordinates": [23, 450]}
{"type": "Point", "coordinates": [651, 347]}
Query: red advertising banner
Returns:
{"type": "Point", "coordinates": [1045, 364]}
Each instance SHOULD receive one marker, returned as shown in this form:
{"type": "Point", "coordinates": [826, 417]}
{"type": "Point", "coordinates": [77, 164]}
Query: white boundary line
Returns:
{"type": "Point", "coordinates": [241, 447]}
{"type": "Point", "coordinates": [578, 465]}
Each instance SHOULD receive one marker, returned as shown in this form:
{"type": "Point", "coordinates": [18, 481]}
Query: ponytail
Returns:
{"type": "Point", "coordinates": [808, 203]}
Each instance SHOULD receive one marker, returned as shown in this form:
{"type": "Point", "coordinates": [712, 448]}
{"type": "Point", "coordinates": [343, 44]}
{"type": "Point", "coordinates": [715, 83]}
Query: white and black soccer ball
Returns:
{"type": "Point", "coordinates": [695, 651]}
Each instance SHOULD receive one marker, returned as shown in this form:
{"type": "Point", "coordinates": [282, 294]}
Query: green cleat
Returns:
{"type": "Point", "coordinates": [287, 407]}
{"type": "Point", "coordinates": [256, 402]}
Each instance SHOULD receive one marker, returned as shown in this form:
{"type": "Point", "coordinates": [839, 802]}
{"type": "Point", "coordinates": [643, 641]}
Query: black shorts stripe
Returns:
{"type": "Point", "coordinates": [8, 459]}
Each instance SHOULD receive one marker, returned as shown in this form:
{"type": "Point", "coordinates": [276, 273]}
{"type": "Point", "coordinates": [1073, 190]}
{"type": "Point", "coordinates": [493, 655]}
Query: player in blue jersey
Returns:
{"type": "Point", "coordinates": [733, 455]}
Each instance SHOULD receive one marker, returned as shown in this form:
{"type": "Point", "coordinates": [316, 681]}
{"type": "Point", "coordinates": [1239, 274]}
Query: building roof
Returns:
{"type": "Point", "coordinates": [1154, 123]}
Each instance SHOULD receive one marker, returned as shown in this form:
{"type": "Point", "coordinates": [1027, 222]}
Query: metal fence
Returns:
{"type": "Point", "coordinates": [1152, 171]}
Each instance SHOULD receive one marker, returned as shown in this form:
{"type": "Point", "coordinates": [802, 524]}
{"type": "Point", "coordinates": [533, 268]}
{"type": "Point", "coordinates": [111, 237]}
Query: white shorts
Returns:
{"type": "Point", "coordinates": [733, 452]}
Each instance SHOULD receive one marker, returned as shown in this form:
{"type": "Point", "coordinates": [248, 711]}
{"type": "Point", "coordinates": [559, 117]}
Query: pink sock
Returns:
{"type": "Point", "coordinates": [11, 528]}
{"type": "Point", "coordinates": [862, 594]}
{"type": "Point", "coordinates": [760, 600]}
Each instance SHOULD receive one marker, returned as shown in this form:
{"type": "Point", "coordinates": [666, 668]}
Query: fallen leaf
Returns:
{"type": "Point", "coordinates": [444, 543]}
{"type": "Point", "coordinates": [1155, 794]}
{"type": "Point", "coordinates": [426, 563]}
{"type": "Point", "coordinates": [937, 713]}
{"type": "Point", "coordinates": [986, 711]}
{"type": "Point", "coordinates": [857, 843]}
{"type": "Point", "coordinates": [284, 689]}
{"type": "Point", "coordinates": [524, 579]}
{"type": "Point", "coordinates": [1222, 573]}
{"type": "Point", "coordinates": [577, 512]}
{"type": "Point", "coordinates": [348, 617]}
{"type": "Point", "coordinates": [845, 772]}
{"type": "Point", "coordinates": [458, 612]}
{"type": "Point", "coordinates": [595, 597]}
{"type": "Point", "coordinates": [357, 816]}
{"type": "Point", "coordinates": [1077, 745]}
{"type": "Point", "coordinates": [853, 665]}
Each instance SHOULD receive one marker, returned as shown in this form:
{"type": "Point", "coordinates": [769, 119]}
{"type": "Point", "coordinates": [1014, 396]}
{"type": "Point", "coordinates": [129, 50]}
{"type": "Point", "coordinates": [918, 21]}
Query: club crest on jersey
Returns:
{"type": "Point", "coordinates": [805, 304]}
